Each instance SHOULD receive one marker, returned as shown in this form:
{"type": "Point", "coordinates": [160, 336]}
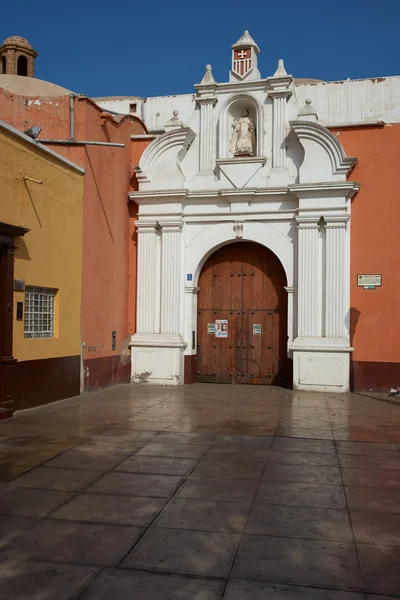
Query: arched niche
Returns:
{"type": "Point", "coordinates": [231, 111]}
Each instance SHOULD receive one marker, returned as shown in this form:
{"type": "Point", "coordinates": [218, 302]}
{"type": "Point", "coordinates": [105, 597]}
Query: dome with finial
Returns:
{"type": "Point", "coordinates": [16, 40]}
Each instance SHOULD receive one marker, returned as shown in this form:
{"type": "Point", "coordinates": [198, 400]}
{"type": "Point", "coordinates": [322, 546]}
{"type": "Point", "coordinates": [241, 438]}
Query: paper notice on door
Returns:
{"type": "Point", "coordinates": [257, 329]}
{"type": "Point", "coordinates": [210, 328]}
{"type": "Point", "coordinates": [221, 328]}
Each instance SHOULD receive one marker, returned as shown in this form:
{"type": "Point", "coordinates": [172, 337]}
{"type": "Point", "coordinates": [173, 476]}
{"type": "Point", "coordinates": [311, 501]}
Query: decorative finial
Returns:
{"type": "Point", "coordinates": [208, 76]}
{"type": "Point", "coordinates": [246, 32]}
{"type": "Point", "coordinates": [174, 122]}
{"type": "Point", "coordinates": [308, 112]}
{"type": "Point", "coordinates": [280, 71]}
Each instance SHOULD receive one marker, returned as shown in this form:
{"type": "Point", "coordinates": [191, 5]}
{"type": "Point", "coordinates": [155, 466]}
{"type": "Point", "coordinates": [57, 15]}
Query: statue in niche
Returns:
{"type": "Point", "coordinates": [243, 141]}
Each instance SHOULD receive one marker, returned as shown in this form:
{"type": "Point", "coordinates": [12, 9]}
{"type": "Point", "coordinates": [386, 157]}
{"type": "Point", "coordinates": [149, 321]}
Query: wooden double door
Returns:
{"type": "Point", "coordinates": [242, 317]}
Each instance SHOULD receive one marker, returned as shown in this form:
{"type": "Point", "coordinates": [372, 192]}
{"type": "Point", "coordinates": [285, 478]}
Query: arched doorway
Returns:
{"type": "Point", "coordinates": [242, 317]}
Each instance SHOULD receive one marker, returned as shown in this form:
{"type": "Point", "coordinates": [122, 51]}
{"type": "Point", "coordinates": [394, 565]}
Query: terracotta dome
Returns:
{"type": "Point", "coordinates": [16, 40]}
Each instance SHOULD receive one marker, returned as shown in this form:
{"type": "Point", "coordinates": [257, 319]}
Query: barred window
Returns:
{"type": "Point", "coordinates": [39, 312]}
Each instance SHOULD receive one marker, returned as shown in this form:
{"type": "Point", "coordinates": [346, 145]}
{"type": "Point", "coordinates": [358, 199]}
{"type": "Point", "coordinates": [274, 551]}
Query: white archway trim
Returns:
{"type": "Point", "coordinates": [310, 131]}
{"type": "Point", "coordinates": [218, 235]}
{"type": "Point", "coordinates": [224, 134]}
{"type": "Point", "coordinates": [181, 137]}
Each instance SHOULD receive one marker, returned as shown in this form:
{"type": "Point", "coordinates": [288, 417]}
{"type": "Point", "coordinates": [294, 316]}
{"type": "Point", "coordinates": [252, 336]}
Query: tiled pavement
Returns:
{"type": "Point", "coordinates": [201, 493]}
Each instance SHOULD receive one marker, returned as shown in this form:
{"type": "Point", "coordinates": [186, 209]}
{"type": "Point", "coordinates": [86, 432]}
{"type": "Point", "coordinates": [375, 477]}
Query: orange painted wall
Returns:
{"type": "Point", "coordinates": [375, 246]}
{"type": "Point", "coordinates": [109, 253]}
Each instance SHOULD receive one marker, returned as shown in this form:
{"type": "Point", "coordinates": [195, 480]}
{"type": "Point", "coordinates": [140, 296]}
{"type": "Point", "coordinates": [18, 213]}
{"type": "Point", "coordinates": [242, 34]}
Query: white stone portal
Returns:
{"type": "Point", "coordinates": [279, 179]}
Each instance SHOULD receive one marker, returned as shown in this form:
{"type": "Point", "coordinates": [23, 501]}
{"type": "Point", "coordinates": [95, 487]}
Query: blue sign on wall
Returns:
{"type": "Point", "coordinates": [189, 277]}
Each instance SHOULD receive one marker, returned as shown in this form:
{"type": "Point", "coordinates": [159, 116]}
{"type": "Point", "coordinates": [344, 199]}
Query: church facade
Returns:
{"type": "Point", "coordinates": [244, 243]}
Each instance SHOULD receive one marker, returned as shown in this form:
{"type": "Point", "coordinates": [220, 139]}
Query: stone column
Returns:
{"type": "Point", "coordinates": [336, 274]}
{"type": "Point", "coordinates": [309, 277]}
{"type": "Point", "coordinates": [148, 278]}
{"type": "Point", "coordinates": [171, 277]}
{"type": "Point", "coordinates": [207, 137]}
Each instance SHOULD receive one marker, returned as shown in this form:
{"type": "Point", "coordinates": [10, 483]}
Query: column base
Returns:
{"type": "Point", "coordinates": [157, 358]}
{"type": "Point", "coordinates": [321, 364]}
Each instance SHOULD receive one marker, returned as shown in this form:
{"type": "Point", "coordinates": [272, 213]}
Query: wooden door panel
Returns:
{"type": "Point", "coordinates": [244, 284]}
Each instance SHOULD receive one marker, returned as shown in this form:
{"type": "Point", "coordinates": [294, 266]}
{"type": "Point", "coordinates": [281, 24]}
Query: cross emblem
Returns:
{"type": "Point", "coordinates": [242, 54]}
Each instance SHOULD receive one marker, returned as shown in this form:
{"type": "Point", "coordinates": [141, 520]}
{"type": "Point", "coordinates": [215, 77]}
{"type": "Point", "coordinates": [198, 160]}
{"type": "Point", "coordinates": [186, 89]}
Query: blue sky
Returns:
{"type": "Point", "coordinates": [152, 48]}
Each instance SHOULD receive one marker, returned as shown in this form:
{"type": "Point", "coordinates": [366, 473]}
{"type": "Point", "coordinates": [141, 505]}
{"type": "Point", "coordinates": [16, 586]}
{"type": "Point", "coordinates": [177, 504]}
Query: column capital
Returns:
{"type": "Point", "coordinates": [147, 226]}
{"type": "Point", "coordinates": [336, 221]}
{"type": "Point", "coordinates": [308, 222]}
{"type": "Point", "coordinates": [170, 226]}
{"type": "Point", "coordinates": [191, 290]}
{"type": "Point", "coordinates": [289, 288]}
{"type": "Point", "coordinates": [207, 100]}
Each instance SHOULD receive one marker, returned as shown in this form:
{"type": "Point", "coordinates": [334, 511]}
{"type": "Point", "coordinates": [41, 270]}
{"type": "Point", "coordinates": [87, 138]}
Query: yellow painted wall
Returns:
{"type": "Point", "coordinates": [50, 254]}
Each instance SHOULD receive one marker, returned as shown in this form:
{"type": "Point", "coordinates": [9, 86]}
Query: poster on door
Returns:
{"type": "Point", "coordinates": [221, 328]}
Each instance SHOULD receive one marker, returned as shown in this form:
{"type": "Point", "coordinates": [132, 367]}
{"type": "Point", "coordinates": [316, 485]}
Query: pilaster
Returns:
{"type": "Point", "coordinates": [279, 89]}
{"type": "Point", "coordinates": [207, 135]}
{"type": "Point", "coordinates": [309, 277]}
{"type": "Point", "coordinates": [148, 277]}
{"type": "Point", "coordinates": [171, 277]}
{"type": "Point", "coordinates": [336, 276]}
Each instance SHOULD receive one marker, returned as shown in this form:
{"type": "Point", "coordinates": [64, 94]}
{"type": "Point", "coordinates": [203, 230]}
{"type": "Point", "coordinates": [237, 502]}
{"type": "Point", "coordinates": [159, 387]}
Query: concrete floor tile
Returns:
{"type": "Point", "coordinates": [316, 459]}
{"type": "Point", "coordinates": [215, 488]}
{"type": "Point", "coordinates": [253, 590]}
{"type": "Point", "coordinates": [135, 484]}
{"type": "Point", "coordinates": [237, 453]}
{"type": "Point", "coordinates": [228, 468]}
{"type": "Point", "coordinates": [370, 462]}
{"type": "Point", "coordinates": [29, 502]}
{"type": "Point", "coordinates": [367, 449]}
{"type": "Point", "coordinates": [77, 543]}
{"type": "Point", "coordinates": [90, 459]}
{"type": "Point", "coordinates": [282, 444]}
{"type": "Point", "coordinates": [244, 441]}
{"type": "Point", "coordinates": [370, 527]}
{"type": "Point", "coordinates": [384, 479]}
{"type": "Point", "coordinates": [11, 527]}
{"type": "Point", "coordinates": [301, 494]}
{"type": "Point", "coordinates": [172, 450]}
{"type": "Point", "coordinates": [38, 580]}
{"type": "Point", "coordinates": [299, 432]}
{"type": "Point", "coordinates": [302, 474]}
{"type": "Point", "coordinates": [179, 551]}
{"type": "Point", "coordinates": [373, 499]}
{"type": "Point", "coordinates": [107, 508]}
{"type": "Point", "coordinates": [380, 567]}
{"type": "Point", "coordinates": [185, 438]}
{"type": "Point", "coordinates": [156, 464]}
{"type": "Point", "coordinates": [205, 515]}
{"type": "Point", "coordinates": [300, 562]}
{"type": "Point", "coordinates": [120, 584]}
{"type": "Point", "coordinates": [300, 522]}
{"type": "Point", "coordinates": [56, 479]}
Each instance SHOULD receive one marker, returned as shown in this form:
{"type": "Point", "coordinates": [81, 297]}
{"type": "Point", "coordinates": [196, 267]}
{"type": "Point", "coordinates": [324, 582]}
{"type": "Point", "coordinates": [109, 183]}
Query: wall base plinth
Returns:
{"type": "Point", "coordinates": [321, 364]}
{"type": "Point", "coordinates": [157, 358]}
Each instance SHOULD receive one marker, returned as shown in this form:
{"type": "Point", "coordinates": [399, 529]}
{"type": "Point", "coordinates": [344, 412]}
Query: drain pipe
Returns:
{"type": "Point", "coordinates": [71, 117]}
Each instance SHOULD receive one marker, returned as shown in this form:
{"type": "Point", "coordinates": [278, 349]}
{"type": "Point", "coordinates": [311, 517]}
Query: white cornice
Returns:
{"type": "Point", "coordinates": [326, 189]}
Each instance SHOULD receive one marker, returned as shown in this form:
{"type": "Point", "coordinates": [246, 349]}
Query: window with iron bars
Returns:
{"type": "Point", "coordinates": [39, 312]}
